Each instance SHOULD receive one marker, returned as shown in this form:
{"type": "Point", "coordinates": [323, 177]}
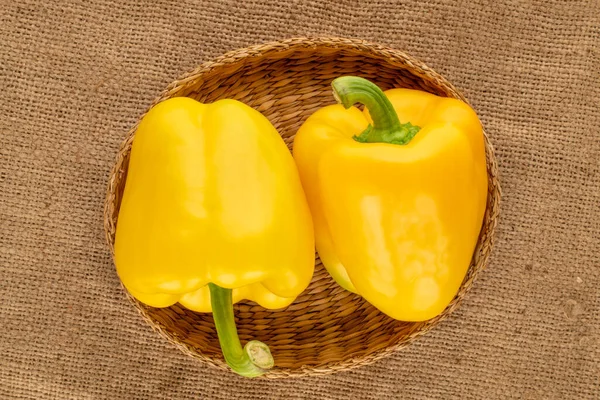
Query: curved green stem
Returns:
{"type": "Point", "coordinates": [386, 127]}
{"type": "Point", "coordinates": [252, 360]}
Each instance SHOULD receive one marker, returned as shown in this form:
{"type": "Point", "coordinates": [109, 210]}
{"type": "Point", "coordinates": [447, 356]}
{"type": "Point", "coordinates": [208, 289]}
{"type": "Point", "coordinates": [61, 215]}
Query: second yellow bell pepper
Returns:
{"type": "Point", "coordinates": [397, 208]}
{"type": "Point", "coordinates": [213, 212]}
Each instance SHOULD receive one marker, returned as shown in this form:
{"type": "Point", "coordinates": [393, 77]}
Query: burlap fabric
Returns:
{"type": "Point", "coordinates": [75, 75]}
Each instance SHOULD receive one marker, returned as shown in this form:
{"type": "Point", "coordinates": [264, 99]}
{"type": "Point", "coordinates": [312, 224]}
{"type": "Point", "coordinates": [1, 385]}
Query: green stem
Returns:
{"type": "Point", "coordinates": [252, 360]}
{"type": "Point", "coordinates": [386, 127]}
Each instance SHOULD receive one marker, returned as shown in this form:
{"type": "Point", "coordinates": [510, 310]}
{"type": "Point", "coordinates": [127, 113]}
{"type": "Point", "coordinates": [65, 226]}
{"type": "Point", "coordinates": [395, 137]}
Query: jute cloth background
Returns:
{"type": "Point", "coordinates": [75, 75]}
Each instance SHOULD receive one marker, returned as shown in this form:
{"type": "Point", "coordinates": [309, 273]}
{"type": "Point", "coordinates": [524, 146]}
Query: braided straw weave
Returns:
{"type": "Point", "coordinates": [326, 329]}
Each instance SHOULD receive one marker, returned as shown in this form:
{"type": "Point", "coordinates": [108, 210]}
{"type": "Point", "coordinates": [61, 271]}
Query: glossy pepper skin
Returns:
{"type": "Point", "coordinates": [213, 212]}
{"type": "Point", "coordinates": [397, 208]}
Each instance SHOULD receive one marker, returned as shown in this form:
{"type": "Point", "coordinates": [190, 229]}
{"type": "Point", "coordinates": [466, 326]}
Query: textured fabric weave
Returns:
{"type": "Point", "coordinates": [75, 75]}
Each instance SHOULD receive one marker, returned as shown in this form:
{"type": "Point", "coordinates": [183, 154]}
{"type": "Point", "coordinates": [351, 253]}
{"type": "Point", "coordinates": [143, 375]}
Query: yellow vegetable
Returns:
{"type": "Point", "coordinates": [213, 212]}
{"type": "Point", "coordinates": [397, 208]}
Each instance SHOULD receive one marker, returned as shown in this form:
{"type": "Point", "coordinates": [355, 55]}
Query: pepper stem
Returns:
{"type": "Point", "coordinates": [252, 360]}
{"type": "Point", "coordinates": [386, 127]}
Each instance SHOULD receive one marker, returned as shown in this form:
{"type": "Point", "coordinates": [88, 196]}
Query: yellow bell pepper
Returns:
{"type": "Point", "coordinates": [397, 208]}
{"type": "Point", "coordinates": [213, 212]}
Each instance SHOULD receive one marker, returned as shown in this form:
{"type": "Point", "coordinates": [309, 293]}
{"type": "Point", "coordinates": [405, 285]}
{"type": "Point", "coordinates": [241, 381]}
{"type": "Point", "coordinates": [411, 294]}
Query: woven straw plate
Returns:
{"type": "Point", "coordinates": [326, 329]}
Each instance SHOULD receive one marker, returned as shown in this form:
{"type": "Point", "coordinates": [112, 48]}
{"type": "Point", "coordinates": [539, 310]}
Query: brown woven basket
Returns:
{"type": "Point", "coordinates": [326, 329]}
